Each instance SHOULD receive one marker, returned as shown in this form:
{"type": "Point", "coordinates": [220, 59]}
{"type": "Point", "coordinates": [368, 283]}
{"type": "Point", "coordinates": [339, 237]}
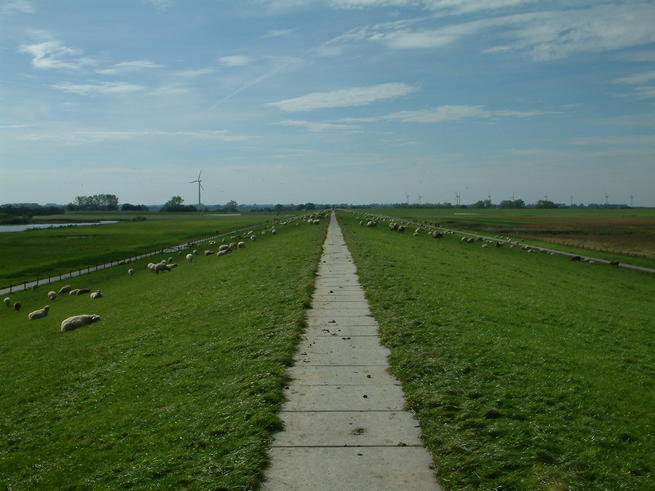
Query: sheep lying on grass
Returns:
{"type": "Point", "coordinates": [241, 245]}
{"type": "Point", "coordinates": [38, 314]}
{"type": "Point", "coordinates": [7, 301]}
{"type": "Point", "coordinates": [72, 323]}
{"type": "Point", "coordinates": [65, 289]}
{"type": "Point", "coordinates": [52, 295]}
{"type": "Point", "coordinates": [95, 295]}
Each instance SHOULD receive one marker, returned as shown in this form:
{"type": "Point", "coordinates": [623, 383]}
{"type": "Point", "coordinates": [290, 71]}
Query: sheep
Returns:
{"type": "Point", "coordinates": [222, 253]}
{"type": "Point", "coordinates": [95, 295]}
{"type": "Point", "coordinates": [401, 228]}
{"type": "Point", "coordinates": [72, 323]}
{"type": "Point", "coordinates": [223, 247]}
{"type": "Point", "coordinates": [189, 258]}
{"type": "Point", "coordinates": [79, 291]}
{"type": "Point", "coordinates": [194, 252]}
{"type": "Point", "coordinates": [130, 271]}
{"type": "Point", "coordinates": [160, 267]}
{"type": "Point", "coordinates": [253, 238]}
{"type": "Point", "coordinates": [74, 292]}
{"type": "Point", "coordinates": [437, 235]}
{"type": "Point", "coordinates": [7, 301]}
{"type": "Point", "coordinates": [241, 245]}
{"type": "Point", "coordinates": [208, 252]}
{"type": "Point", "coordinates": [52, 295]}
{"type": "Point", "coordinates": [485, 245]}
{"type": "Point", "coordinates": [37, 314]}
{"type": "Point", "coordinates": [17, 306]}
{"type": "Point", "coordinates": [371, 223]}
{"type": "Point", "coordinates": [273, 231]}
{"type": "Point", "coordinates": [65, 289]}
{"type": "Point", "coordinates": [170, 259]}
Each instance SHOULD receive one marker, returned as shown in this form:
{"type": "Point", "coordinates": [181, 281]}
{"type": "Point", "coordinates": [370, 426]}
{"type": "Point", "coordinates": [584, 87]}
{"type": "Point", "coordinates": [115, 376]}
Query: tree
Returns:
{"type": "Point", "coordinates": [231, 206]}
{"type": "Point", "coordinates": [130, 207]}
{"type": "Point", "coordinates": [515, 203]}
{"type": "Point", "coordinates": [108, 202]}
{"type": "Point", "coordinates": [175, 204]}
{"type": "Point", "coordinates": [482, 204]}
{"type": "Point", "coordinates": [544, 203]}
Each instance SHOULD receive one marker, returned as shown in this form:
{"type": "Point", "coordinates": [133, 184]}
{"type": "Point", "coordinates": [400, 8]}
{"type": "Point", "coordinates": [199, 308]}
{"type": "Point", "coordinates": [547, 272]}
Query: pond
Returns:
{"type": "Point", "coordinates": [31, 226]}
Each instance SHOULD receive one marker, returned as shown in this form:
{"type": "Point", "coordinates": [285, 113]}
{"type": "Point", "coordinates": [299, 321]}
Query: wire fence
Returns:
{"type": "Point", "coordinates": [51, 278]}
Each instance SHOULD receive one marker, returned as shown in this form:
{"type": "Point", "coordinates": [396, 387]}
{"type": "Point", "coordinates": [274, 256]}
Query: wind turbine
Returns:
{"type": "Point", "coordinates": [199, 181]}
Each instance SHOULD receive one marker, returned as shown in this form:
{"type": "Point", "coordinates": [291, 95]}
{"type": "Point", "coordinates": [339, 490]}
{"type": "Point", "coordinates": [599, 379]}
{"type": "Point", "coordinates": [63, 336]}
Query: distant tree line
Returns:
{"type": "Point", "coordinates": [175, 204]}
{"type": "Point", "coordinates": [97, 202]}
{"type": "Point", "coordinates": [23, 213]}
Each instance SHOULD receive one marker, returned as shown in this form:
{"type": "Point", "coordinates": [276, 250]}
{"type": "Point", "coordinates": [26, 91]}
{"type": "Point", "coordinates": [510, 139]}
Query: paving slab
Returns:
{"type": "Point", "coordinates": [350, 469]}
{"type": "Point", "coordinates": [342, 375]}
{"type": "Point", "coordinates": [342, 350]}
{"type": "Point", "coordinates": [348, 428]}
{"type": "Point", "coordinates": [344, 398]}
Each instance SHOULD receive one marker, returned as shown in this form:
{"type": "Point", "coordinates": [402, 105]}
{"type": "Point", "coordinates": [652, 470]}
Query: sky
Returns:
{"type": "Point", "coordinates": [328, 101]}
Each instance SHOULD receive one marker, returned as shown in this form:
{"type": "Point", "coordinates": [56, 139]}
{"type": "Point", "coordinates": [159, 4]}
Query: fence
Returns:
{"type": "Point", "coordinates": [51, 278]}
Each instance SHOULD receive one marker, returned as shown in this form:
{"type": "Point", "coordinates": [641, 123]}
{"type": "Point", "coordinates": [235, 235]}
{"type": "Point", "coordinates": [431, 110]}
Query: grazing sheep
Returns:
{"type": "Point", "coordinates": [52, 295]}
{"type": "Point", "coordinates": [65, 289]}
{"type": "Point", "coordinates": [223, 247]}
{"type": "Point", "coordinates": [485, 245]}
{"type": "Point", "coordinates": [189, 258]}
{"type": "Point", "coordinates": [7, 301]}
{"type": "Point", "coordinates": [223, 252]}
{"type": "Point", "coordinates": [208, 252]}
{"type": "Point", "coordinates": [37, 314]}
{"type": "Point", "coordinates": [17, 306]}
{"type": "Point", "coordinates": [437, 235]}
{"type": "Point", "coordinates": [194, 252]}
{"type": "Point", "coordinates": [95, 295]}
{"type": "Point", "coordinates": [72, 323]}
{"type": "Point", "coordinates": [130, 271]}
{"type": "Point", "coordinates": [241, 245]}
{"type": "Point", "coordinates": [273, 231]}
{"type": "Point", "coordinates": [253, 237]}
{"type": "Point", "coordinates": [371, 223]}
{"type": "Point", "coordinates": [160, 267]}
{"type": "Point", "coordinates": [401, 228]}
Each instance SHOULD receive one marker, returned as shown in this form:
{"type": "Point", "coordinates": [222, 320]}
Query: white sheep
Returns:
{"type": "Point", "coordinates": [7, 301]}
{"type": "Point", "coordinates": [95, 295]}
{"type": "Point", "coordinates": [76, 321]}
{"type": "Point", "coordinates": [222, 253]}
{"type": "Point", "coordinates": [223, 247]}
{"type": "Point", "coordinates": [52, 295]}
{"type": "Point", "coordinates": [253, 237]}
{"type": "Point", "coordinates": [189, 258]}
{"type": "Point", "coordinates": [241, 245]}
{"type": "Point", "coordinates": [273, 231]}
{"type": "Point", "coordinates": [65, 289]}
{"type": "Point", "coordinates": [37, 314]}
{"type": "Point", "coordinates": [130, 271]}
{"type": "Point", "coordinates": [208, 252]}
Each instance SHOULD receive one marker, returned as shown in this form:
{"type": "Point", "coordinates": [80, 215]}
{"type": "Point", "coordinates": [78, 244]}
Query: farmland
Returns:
{"type": "Point", "coordinates": [626, 235]}
{"type": "Point", "coordinates": [177, 386]}
{"type": "Point", "coordinates": [38, 253]}
{"type": "Point", "coordinates": [525, 370]}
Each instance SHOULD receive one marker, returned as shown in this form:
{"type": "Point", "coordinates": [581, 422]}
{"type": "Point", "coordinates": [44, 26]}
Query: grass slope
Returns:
{"type": "Point", "coordinates": [39, 253]}
{"type": "Point", "coordinates": [627, 235]}
{"type": "Point", "coordinates": [525, 370]}
{"type": "Point", "coordinates": [177, 386]}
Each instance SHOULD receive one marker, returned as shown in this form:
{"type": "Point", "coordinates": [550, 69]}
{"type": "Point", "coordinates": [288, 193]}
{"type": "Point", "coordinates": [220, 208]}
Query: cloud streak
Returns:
{"type": "Point", "coordinates": [235, 60]}
{"type": "Point", "coordinates": [353, 96]}
{"type": "Point", "coordinates": [106, 88]}
{"type": "Point", "coordinates": [53, 54]}
{"type": "Point", "coordinates": [129, 67]}
{"type": "Point", "coordinates": [316, 127]}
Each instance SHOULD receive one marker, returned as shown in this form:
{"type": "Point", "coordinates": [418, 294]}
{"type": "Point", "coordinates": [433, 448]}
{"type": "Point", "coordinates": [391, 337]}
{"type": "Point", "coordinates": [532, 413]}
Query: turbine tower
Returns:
{"type": "Point", "coordinates": [199, 181]}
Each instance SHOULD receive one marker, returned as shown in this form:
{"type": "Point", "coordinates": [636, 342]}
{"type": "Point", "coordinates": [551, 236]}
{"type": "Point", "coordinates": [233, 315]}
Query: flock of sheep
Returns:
{"type": "Point", "coordinates": [373, 221]}
{"type": "Point", "coordinates": [165, 265]}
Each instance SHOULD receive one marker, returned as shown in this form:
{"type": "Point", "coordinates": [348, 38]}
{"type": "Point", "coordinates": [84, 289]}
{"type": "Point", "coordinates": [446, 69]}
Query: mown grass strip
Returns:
{"type": "Point", "coordinates": [525, 370]}
{"type": "Point", "coordinates": [177, 386]}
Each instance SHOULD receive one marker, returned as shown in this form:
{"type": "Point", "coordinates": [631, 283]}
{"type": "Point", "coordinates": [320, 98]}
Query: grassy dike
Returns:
{"type": "Point", "coordinates": [38, 253]}
{"type": "Point", "coordinates": [526, 371]}
{"type": "Point", "coordinates": [177, 386]}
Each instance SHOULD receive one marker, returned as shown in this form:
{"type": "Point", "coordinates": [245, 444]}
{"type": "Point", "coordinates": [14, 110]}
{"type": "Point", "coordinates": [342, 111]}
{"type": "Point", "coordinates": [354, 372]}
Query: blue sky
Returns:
{"type": "Point", "coordinates": [327, 100]}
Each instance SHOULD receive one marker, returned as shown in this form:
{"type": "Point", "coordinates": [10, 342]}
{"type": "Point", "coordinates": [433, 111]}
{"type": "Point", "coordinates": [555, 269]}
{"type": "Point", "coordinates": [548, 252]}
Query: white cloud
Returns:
{"type": "Point", "coordinates": [235, 60]}
{"type": "Point", "coordinates": [647, 92]}
{"type": "Point", "coordinates": [84, 136]}
{"type": "Point", "coordinates": [441, 114]}
{"type": "Point", "coordinates": [318, 126]}
{"type": "Point", "coordinates": [354, 96]}
{"type": "Point", "coordinates": [195, 72]}
{"type": "Point", "coordinates": [54, 55]}
{"type": "Point", "coordinates": [542, 35]}
{"type": "Point", "coordinates": [17, 7]}
{"type": "Point", "coordinates": [100, 88]}
{"type": "Point", "coordinates": [128, 67]}
{"type": "Point", "coordinates": [615, 140]}
{"type": "Point", "coordinates": [276, 33]}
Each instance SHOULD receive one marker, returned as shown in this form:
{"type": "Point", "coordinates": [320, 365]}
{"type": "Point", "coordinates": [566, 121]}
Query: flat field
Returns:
{"type": "Point", "coordinates": [38, 253]}
{"type": "Point", "coordinates": [627, 235]}
{"type": "Point", "coordinates": [526, 371]}
{"type": "Point", "coordinates": [176, 387]}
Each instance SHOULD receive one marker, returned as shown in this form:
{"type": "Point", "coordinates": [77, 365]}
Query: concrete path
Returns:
{"type": "Point", "coordinates": [345, 423]}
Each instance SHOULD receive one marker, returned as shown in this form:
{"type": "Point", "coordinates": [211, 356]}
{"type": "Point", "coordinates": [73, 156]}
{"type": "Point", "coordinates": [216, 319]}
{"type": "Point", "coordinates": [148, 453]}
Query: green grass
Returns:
{"type": "Point", "coordinates": [526, 371]}
{"type": "Point", "coordinates": [176, 387]}
{"type": "Point", "coordinates": [627, 235]}
{"type": "Point", "coordinates": [39, 253]}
